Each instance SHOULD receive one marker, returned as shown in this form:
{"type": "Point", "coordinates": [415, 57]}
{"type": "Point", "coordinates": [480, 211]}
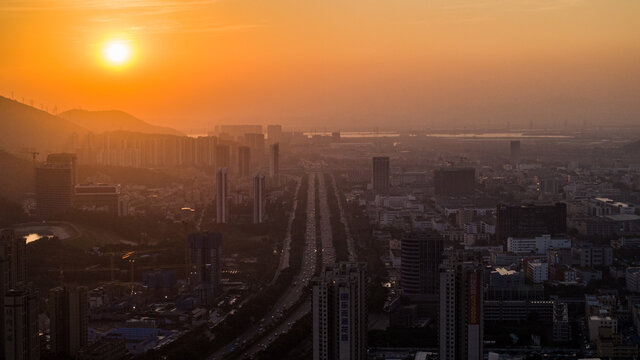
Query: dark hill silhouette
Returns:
{"type": "Point", "coordinates": [19, 176]}
{"type": "Point", "coordinates": [114, 120]}
{"type": "Point", "coordinates": [23, 126]}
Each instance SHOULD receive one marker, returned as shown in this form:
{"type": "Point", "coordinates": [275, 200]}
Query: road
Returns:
{"type": "Point", "coordinates": [286, 244]}
{"type": "Point", "coordinates": [328, 252]}
{"type": "Point", "coordinates": [293, 293]}
{"type": "Point", "coordinates": [350, 243]}
{"type": "Point", "coordinates": [328, 257]}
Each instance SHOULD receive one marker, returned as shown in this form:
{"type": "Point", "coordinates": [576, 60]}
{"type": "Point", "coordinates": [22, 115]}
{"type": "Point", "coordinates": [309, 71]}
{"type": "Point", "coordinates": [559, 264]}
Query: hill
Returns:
{"type": "Point", "coordinates": [19, 176]}
{"type": "Point", "coordinates": [113, 120]}
{"type": "Point", "coordinates": [23, 126]}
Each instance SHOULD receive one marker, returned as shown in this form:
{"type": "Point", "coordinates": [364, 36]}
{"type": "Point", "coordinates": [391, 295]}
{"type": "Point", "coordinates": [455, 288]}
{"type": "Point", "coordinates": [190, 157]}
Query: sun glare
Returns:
{"type": "Point", "coordinates": [117, 52]}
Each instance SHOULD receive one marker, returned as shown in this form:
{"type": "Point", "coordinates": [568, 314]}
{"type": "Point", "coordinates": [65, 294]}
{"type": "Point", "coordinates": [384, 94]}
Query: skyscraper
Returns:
{"type": "Point", "coordinates": [221, 196]}
{"type": "Point", "coordinates": [244, 160]}
{"type": "Point", "coordinates": [20, 336]}
{"type": "Point", "coordinates": [4, 287]}
{"type": "Point", "coordinates": [205, 150]}
{"type": "Point", "coordinates": [274, 132]}
{"type": "Point", "coordinates": [529, 220]}
{"type": "Point", "coordinates": [421, 256]}
{"type": "Point", "coordinates": [340, 313]}
{"type": "Point", "coordinates": [223, 156]}
{"type": "Point", "coordinates": [380, 176]}
{"type": "Point", "coordinates": [66, 159]}
{"type": "Point", "coordinates": [258, 198]}
{"type": "Point", "coordinates": [55, 181]}
{"type": "Point", "coordinates": [274, 160]}
{"type": "Point", "coordinates": [514, 147]}
{"type": "Point", "coordinates": [13, 272]}
{"type": "Point", "coordinates": [461, 296]}
{"type": "Point", "coordinates": [454, 181]}
{"type": "Point", "coordinates": [69, 316]}
{"type": "Point", "coordinates": [204, 264]}
{"type": "Point", "coordinates": [16, 258]}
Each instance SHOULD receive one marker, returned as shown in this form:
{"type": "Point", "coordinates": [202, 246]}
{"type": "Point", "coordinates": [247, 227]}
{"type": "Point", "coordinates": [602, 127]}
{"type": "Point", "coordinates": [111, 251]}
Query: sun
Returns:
{"type": "Point", "coordinates": [117, 52]}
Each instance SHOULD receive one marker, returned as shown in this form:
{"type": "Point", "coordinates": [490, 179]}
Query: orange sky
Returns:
{"type": "Point", "coordinates": [316, 63]}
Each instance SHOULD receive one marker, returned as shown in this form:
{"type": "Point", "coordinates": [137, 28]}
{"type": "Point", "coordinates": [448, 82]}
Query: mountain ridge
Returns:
{"type": "Point", "coordinates": [114, 120]}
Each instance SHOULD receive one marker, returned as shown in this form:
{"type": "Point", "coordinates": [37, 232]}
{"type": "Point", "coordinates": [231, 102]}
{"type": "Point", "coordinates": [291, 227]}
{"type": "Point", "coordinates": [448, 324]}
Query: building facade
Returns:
{"type": "Point", "coordinates": [222, 211]}
{"type": "Point", "coordinates": [380, 176]}
{"type": "Point", "coordinates": [69, 317]}
{"type": "Point", "coordinates": [205, 264]}
{"type": "Point", "coordinates": [340, 313]}
{"type": "Point", "coordinates": [461, 310]}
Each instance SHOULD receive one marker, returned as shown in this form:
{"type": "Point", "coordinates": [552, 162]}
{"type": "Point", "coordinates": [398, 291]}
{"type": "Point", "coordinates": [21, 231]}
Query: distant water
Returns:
{"type": "Point", "coordinates": [496, 135]}
{"type": "Point", "coordinates": [391, 134]}
{"type": "Point", "coordinates": [507, 135]}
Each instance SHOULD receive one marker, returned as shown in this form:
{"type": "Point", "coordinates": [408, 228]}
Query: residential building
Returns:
{"type": "Point", "coordinates": [537, 245]}
{"type": "Point", "coordinates": [244, 160]}
{"type": "Point", "coordinates": [339, 310]}
{"type": "Point", "coordinates": [69, 316]}
{"type": "Point", "coordinates": [20, 338]}
{"type": "Point", "coordinates": [380, 176]}
{"type": "Point", "coordinates": [461, 310]}
{"type": "Point", "coordinates": [258, 198]}
{"type": "Point", "coordinates": [205, 264]}
{"type": "Point", "coordinates": [530, 220]}
{"type": "Point", "coordinates": [421, 255]}
{"type": "Point", "coordinates": [222, 211]}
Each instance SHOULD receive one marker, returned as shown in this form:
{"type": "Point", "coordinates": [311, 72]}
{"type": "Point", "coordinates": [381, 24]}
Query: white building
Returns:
{"type": "Point", "coordinates": [537, 271]}
{"type": "Point", "coordinates": [537, 245]}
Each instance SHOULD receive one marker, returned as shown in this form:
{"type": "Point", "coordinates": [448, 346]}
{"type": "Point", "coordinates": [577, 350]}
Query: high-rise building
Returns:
{"type": "Point", "coordinates": [274, 132]}
{"type": "Point", "coordinates": [16, 257]}
{"type": "Point", "coordinates": [244, 160]}
{"type": "Point", "coordinates": [222, 211]}
{"type": "Point", "coordinates": [256, 142]}
{"type": "Point", "coordinates": [69, 317]}
{"type": "Point", "coordinates": [4, 287]}
{"type": "Point", "coordinates": [205, 150]}
{"type": "Point", "coordinates": [461, 310]}
{"type": "Point", "coordinates": [55, 181]}
{"type": "Point", "coordinates": [13, 271]}
{"type": "Point", "coordinates": [20, 336]}
{"type": "Point", "coordinates": [454, 181]}
{"type": "Point", "coordinates": [530, 220]}
{"type": "Point", "coordinates": [274, 160]}
{"type": "Point", "coordinates": [66, 159]}
{"type": "Point", "coordinates": [421, 256]}
{"type": "Point", "coordinates": [380, 176]}
{"type": "Point", "coordinates": [204, 264]}
{"type": "Point", "coordinates": [223, 156]}
{"type": "Point", "coordinates": [340, 313]}
{"type": "Point", "coordinates": [514, 147]}
{"type": "Point", "coordinates": [258, 198]}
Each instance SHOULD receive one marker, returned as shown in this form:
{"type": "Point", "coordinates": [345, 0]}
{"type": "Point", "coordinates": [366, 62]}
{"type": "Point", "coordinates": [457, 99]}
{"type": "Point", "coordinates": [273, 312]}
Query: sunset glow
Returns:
{"type": "Point", "coordinates": [117, 52]}
{"type": "Point", "coordinates": [318, 63]}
